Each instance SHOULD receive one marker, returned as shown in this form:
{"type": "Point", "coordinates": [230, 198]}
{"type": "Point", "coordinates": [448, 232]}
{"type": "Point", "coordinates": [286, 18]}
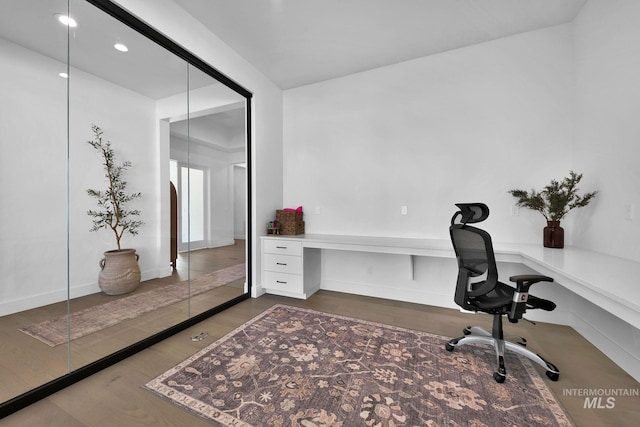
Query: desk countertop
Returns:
{"type": "Point", "coordinates": [607, 281]}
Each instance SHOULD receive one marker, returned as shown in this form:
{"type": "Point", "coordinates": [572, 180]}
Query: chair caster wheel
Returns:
{"type": "Point", "coordinates": [499, 377]}
{"type": "Point", "coordinates": [449, 347]}
{"type": "Point", "coordinates": [553, 376]}
{"type": "Point", "coordinates": [467, 330]}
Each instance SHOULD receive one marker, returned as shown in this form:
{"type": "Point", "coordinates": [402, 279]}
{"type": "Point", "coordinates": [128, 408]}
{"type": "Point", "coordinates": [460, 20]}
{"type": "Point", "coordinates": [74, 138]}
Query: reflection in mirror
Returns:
{"type": "Point", "coordinates": [120, 91]}
{"type": "Point", "coordinates": [174, 123]}
{"type": "Point", "coordinates": [210, 231]}
{"type": "Point", "coordinates": [33, 189]}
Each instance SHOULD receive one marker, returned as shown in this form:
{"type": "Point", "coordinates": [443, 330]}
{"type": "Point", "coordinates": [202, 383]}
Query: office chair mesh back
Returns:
{"type": "Point", "coordinates": [477, 271]}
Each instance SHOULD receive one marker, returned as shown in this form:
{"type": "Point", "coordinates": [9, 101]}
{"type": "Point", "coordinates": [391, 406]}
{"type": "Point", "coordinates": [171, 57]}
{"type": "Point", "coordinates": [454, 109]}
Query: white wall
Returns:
{"type": "Point", "coordinates": [607, 149]}
{"type": "Point", "coordinates": [607, 110]}
{"type": "Point", "coordinates": [240, 202]}
{"type": "Point", "coordinates": [33, 211]}
{"type": "Point", "coordinates": [465, 125]}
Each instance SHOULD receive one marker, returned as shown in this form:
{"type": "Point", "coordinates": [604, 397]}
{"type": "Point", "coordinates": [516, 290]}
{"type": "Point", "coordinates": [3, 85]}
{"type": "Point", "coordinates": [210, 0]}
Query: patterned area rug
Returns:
{"type": "Point", "coordinates": [54, 332]}
{"type": "Point", "coordinates": [297, 367]}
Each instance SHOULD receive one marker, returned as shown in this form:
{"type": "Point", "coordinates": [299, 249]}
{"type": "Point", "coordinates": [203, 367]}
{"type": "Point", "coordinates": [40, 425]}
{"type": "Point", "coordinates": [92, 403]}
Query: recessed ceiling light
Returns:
{"type": "Point", "coordinates": [67, 20]}
{"type": "Point", "coordinates": [64, 75]}
{"type": "Point", "coordinates": [121, 47]}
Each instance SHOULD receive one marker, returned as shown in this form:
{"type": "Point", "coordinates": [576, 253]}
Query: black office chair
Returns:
{"type": "Point", "coordinates": [478, 289]}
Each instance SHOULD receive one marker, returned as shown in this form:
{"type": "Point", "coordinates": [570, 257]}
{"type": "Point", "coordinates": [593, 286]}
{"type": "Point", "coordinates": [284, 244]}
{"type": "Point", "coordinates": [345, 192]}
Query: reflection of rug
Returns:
{"type": "Point", "coordinates": [297, 367]}
{"type": "Point", "coordinates": [90, 320]}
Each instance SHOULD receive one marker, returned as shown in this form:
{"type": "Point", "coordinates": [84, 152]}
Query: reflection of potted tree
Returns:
{"type": "Point", "coordinates": [120, 272]}
{"type": "Point", "coordinates": [554, 202]}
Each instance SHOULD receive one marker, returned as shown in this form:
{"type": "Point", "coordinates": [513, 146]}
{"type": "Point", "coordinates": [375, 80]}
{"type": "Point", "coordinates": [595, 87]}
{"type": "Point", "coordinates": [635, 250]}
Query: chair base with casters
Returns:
{"type": "Point", "coordinates": [478, 335]}
{"type": "Point", "coordinates": [479, 290]}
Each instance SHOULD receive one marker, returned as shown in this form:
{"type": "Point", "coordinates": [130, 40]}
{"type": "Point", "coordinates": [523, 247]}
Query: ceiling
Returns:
{"type": "Point", "coordinates": [299, 42]}
{"type": "Point", "coordinates": [223, 129]}
{"type": "Point", "coordinates": [292, 42]}
{"type": "Point", "coordinates": [147, 68]}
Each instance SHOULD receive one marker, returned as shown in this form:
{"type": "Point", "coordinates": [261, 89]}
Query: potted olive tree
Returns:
{"type": "Point", "coordinates": [554, 202]}
{"type": "Point", "coordinates": [120, 272]}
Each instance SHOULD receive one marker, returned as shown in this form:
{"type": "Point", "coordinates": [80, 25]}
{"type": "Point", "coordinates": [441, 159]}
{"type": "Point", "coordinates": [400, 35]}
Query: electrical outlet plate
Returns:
{"type": "Point", "coordinates": [629, 211]}
{"type": "Point", "coordinates": [403, 209]}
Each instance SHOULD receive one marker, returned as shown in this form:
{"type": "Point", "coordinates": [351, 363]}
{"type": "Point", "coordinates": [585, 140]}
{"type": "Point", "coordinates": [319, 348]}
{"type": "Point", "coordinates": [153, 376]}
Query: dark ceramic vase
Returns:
{"type": "Point", "coordinates": [553, 235]}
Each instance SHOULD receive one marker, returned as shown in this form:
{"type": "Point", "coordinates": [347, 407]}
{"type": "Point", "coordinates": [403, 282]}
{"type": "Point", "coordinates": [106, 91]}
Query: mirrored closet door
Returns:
{"type": "Point", "coordinates": [124, 186]}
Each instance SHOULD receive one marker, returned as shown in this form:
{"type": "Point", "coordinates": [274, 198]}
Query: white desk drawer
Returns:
{"type": "Point", "coordinates": [284, 247]}
{"type": "Point", "coordinates": [283, 263]}
{"type": "Point", "coordinates": [282, 282]}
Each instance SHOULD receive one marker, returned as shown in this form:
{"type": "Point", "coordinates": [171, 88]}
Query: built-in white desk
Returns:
{"type": "Point", "coordinates": [609, 282]}
{"type": "Point", "coordinates": [291, 266]}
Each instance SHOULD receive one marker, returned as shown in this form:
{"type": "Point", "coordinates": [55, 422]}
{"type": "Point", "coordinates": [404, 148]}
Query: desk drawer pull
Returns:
{"type": "Point", "coordinates": [289, 264]}
{"type": "Point", "coordinates": [281, 282]}
{"type": "Point", "coordinates": [278, 246]}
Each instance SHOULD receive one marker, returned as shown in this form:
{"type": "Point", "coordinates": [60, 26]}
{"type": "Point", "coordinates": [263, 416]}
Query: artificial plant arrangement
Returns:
{"type": "Point", "coordinates": [120, 272]}
{"type": "Point", "coordinates": [554, 202]}
{"type": "Point", "coordinates": [556, 199]}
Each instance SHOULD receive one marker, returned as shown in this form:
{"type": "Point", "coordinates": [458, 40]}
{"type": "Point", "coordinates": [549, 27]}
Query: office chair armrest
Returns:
{"type": "Point", "coordinates": [524, 281]}
{"type": "Point", "coordinates": [521, 295]}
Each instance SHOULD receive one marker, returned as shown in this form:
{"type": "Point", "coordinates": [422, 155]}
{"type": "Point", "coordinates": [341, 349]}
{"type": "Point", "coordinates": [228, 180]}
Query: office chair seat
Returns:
{"type": "Point", "coordinates": [501, 296]}
{"type": "Point", "coordinates": [478, 289]}
{"type": "Point", "coordinates": [497, 298]}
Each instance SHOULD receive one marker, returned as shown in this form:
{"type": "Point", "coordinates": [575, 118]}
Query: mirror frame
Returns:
{"type": "Point", "coordinates": [21, 401]}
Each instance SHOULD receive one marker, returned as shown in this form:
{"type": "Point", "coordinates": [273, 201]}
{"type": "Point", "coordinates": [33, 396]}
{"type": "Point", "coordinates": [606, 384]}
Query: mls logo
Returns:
{"type": "Point", "coordinates": [598, 403]}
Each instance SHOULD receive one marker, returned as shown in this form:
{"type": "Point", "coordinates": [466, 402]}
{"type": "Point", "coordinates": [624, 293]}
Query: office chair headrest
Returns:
{"type": "Point", "coordinates": [471, 212]}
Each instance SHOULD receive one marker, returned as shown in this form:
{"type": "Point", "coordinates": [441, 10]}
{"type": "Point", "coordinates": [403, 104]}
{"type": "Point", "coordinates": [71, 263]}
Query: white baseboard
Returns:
{"type": "Point", "coordinates": [26, 303]}
{"type": "Point", "coordinates": [257, 291]}
{"type": "Point", "coordinates": [221, 243]}
{"type": "Point", "coordinates": [34, 301]}
{"type": "Point", "coordinates": [157, 273]}
{"type": "Point", "coordinates": [618, 343]}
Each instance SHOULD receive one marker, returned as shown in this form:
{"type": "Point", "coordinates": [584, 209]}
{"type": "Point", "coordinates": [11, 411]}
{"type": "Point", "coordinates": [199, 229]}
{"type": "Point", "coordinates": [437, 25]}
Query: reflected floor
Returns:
{"type": "Point", "coordinates": [30, 363]}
